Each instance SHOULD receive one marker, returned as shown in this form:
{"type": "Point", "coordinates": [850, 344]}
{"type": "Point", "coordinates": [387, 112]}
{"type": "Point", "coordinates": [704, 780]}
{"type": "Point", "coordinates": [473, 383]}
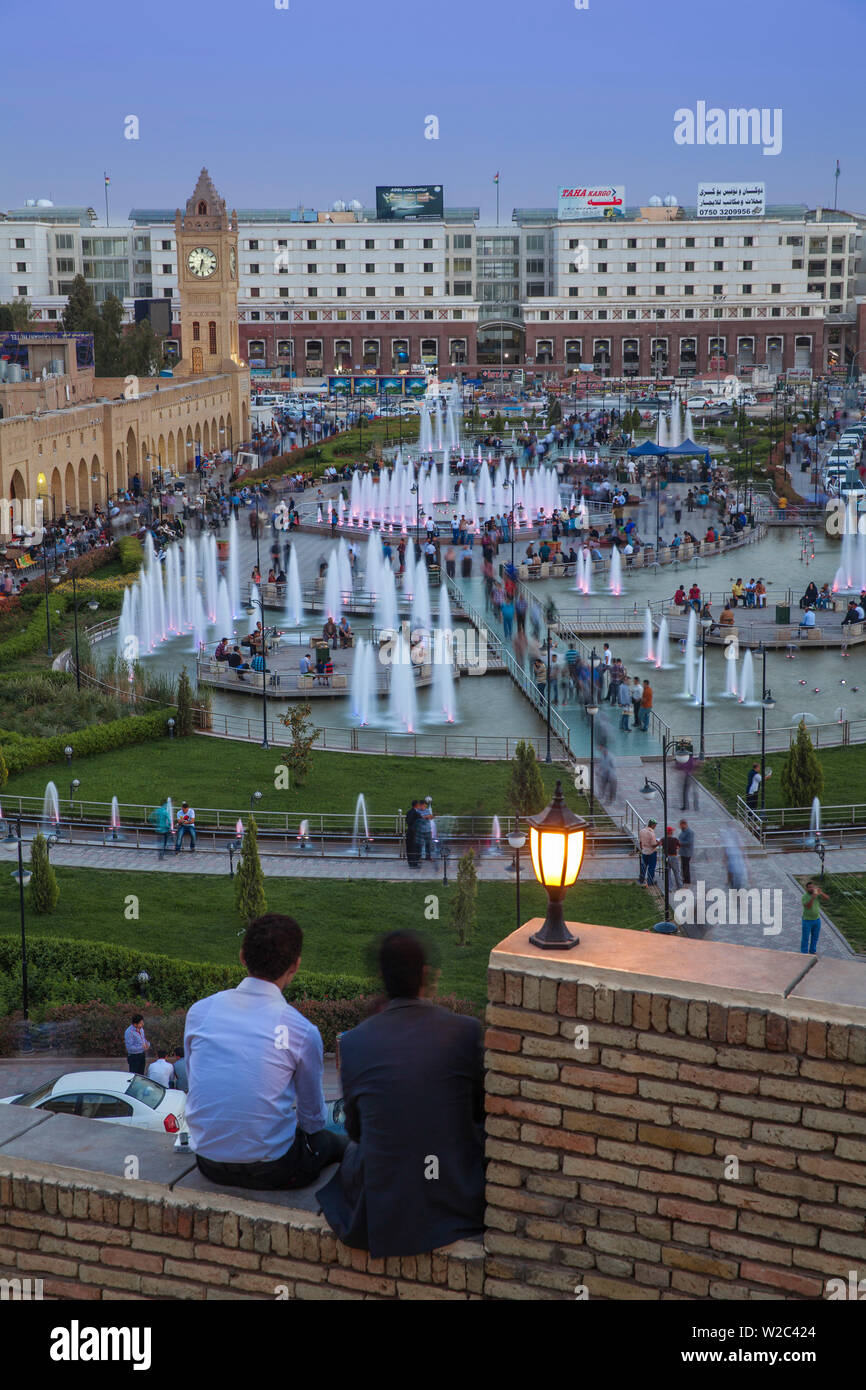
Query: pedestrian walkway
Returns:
{"type": "Point", "coordinates": [771, 873]}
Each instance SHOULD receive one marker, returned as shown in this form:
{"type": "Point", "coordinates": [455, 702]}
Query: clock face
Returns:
{"type": "Point", "coordinates": [202, 261]}
{"type": "Point", "coordinates": [232, 262]}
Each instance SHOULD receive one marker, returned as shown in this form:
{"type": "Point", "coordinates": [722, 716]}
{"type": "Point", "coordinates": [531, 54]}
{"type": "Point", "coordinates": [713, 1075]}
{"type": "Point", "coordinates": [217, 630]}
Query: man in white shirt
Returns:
{"type": "Point", "coordinates": [161, 1070]}
{"type": "Point", "coordinates": [256, 1108]}
{"type": "Point", "coordinates": [185, 826]}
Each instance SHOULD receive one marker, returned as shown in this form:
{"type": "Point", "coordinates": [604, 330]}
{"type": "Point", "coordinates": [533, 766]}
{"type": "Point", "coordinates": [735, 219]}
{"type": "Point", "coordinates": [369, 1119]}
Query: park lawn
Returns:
{"type": "Point", "coordinates": [844, 776]}
{"type": "Point", "coordinates": [192, 917]}
{"type": "Point", "coordinates": [212, 772]}
{"type": "Point", "coordinates": [847, 906]}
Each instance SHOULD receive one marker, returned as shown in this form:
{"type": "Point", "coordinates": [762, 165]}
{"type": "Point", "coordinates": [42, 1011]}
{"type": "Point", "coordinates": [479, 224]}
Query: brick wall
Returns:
{"type": "Point", "coordinates": [106, 1238]}
{"type": "Point", "coordinates": [612, 1165]}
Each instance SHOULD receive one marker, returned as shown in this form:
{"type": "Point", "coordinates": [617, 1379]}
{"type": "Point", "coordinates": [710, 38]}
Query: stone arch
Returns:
{"type": "Point", "coordinates": [245, 421]}
{"type": "Point", "coordinates": [214, 434]}
{"type": "Point", "coordinates": [131, 457]}
{"type": "Point", "coordinates": [69, 491]}
{"type": "Point", "coordinates": [160, 452]}
{"type": "Point", "coordinates": [56, 492]}
{"type": "Point", "coordinates": [170, 456]}
{"type": "Point", "coordinates": [83, 486]}
{"type": "Point", "coordinates": [17, 487]}
{"type": "Point", "coordinates": [118, 472]}
{"type": "Point", "coordinates": [230, 438]}
{"type": "Point", "coordinates": [205, 437]}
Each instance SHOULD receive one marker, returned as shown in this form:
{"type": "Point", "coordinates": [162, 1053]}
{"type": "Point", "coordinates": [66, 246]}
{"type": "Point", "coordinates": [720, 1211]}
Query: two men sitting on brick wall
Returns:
{"type": "Point", "coordinates": [412, 1179]}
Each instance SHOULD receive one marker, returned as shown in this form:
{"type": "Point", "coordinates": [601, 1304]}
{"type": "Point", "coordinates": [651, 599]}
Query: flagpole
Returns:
{"type": "Point", "coordinates": [105, 177]}
{"type": "Point", "coordinates": [497, 200]}
{"type": "Point", "coordinates": [836, 186]}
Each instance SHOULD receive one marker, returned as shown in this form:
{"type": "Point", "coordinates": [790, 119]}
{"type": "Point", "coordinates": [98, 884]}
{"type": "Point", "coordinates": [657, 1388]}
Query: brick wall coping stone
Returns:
{"type": "Point", "coordinates": [710, 971]}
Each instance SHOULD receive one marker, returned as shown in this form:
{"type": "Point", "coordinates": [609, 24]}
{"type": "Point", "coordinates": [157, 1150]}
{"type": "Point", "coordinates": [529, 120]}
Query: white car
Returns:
{"type": "Point", "coordinates": [699, 402]}
{"type": "Point", "coordinates": [124, 1098]}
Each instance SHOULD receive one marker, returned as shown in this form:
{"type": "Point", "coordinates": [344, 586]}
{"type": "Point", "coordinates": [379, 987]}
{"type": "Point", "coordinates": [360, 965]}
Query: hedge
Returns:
{"type": "Point", "coordinates": [131, 554]}
{"type": "Point", "coordinates": [96, 1029]}
{"type": "Point", "coordinates": [33, 636]}
{"type": "Point", "coordinates": [21, 753]}
{"type": "Point", "coordinates": [173, 984]}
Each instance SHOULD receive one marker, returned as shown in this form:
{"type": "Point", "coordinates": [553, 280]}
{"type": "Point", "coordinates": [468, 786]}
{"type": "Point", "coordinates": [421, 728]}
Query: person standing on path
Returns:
{"type": "Point", "coordinates": [636, 696]}
{"type": "Point", "coordinates": [687, 849]}
{"type": "Point", "coordinates": [753, 786]}
{"type": "Point", "coordinates": [690, 785]}
{"type": "Point", "coordinates": [136, 1045]}
{"type": "Point", "coordinates": [624, 701]}
{"type": "Point", "coordinates": [672, 861]}
{"type": "Point", "coordinates": [160, 819]}
{"type": "Point", "coordinates": [646, 704]}
{"type": "Point", "coordinates": [649, 843]}
{"type": "Point", "coordinates": [413, 854]}
{"type": "Point", "coordinates": [811, 918]}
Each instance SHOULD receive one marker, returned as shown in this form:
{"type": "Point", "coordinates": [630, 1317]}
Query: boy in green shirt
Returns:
{"type": "Point", "coordinates": [811, 918]}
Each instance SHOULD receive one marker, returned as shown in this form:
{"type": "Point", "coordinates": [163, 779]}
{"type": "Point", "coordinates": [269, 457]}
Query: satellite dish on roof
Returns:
{"type": "Point", "coordinates": [338, 206]}
{"type": "Point", "coordinates": [356, 206]}
{"type": "Point", "coordinates": [671, 201]}
{"type": "Point", "coordinates": [655, 201]}
{"type": "Point", "coordinates": [44, 203]}
{"type": "Point", "coordinates": [30, 203]}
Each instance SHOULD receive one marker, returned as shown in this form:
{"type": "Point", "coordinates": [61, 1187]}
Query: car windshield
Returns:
{"type": "Point", "coordinates": [147, 1091]}
{"type": "Point", "coordinates": [34, 1097]}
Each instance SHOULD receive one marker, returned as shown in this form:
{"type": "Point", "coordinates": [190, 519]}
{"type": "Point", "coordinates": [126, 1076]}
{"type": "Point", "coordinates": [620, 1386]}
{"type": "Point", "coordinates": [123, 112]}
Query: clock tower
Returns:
{"type": "Point", "coordinates": [207, 277]}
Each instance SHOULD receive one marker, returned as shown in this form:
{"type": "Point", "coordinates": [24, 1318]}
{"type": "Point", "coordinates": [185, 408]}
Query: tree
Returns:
{"type": "Point", "coordinates": [304, 735]}
{"type": "Point", "coordinates": [554, 410]}
{"type": "Point", "coordinates": [109, 334]}
{"type": "Point", "coordinates": [141, 350]}
{"type": "Point", "coordinates": [802, 775]}
{"type": "Point", "coordinates": [184, 705]}
{"type": "Point", "coordinates": [4, 771]}
{"type": "Point", "coordinates": [463, 915]}
{"type": "Point", "coordinates": [250, 898]}
{"type": "Point", "coordinates": [15, 316]}
{"type": "Point", "coordinates": [526, 793]}
{"type": "Point", "coordinates": [44, 890]}
{"type": "Point", "coordinates": [81, 313]}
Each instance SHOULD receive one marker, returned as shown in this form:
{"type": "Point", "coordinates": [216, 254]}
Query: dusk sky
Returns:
{"type": "Point", "coordinates": [327, 98]}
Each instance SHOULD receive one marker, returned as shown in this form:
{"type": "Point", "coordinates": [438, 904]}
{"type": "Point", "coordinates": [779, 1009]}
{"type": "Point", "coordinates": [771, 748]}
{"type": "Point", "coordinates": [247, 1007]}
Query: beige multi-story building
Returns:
{"type": "Point", "coordinates": [73, 438]}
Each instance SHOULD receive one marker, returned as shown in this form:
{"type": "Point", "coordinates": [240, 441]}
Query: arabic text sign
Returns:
{"type": "Point", "coordinates": [731, 199]}
{"type": "Point", "coordinates": [575, 203]}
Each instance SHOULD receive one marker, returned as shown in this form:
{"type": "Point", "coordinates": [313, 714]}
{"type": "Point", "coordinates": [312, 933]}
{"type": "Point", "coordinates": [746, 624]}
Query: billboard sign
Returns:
{"type": "Point", "coordinates": [365, 386]}
{"type": "Point", "coordinates": [415, 385]}
{"type": "Point", "coordinates": [406, 202]}
{"type": "Point", "coordinates": [339, 386]}
{"type": "Point", "coordinates": [391, 385]}
{"type": "Point", "coordinates": [731, 199]}
{"type": "Point", "coordinates": [578, 204]}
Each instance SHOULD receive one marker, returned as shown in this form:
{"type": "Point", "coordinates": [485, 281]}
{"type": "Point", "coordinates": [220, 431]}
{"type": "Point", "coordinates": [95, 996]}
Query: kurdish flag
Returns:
{"type": "Point", "coordinates": [496, 178]}
{"type": "Point", "coordinates": [107, 180]}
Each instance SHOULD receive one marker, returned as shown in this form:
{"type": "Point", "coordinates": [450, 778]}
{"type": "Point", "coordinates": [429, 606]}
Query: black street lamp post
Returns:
{"type": "Point", "coordinates": [649, 787]}
{"type": "Point", "coordinates": [706, 623]}
{"type": "Point", "coordinates": [547, 695]}
{"type": "Point", "coordinates": [25, 1002]}
{"type": "Point", "coordinates": [767, 703]}
{"type": "Point", "coordinates": [592, 711]}
{"type": "Point", "coordinates": [517, 840]}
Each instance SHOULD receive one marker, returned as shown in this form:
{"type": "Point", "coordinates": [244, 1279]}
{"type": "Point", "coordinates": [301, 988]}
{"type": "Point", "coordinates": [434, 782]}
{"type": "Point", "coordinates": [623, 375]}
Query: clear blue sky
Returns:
{"type": "Point", "coordinates": [328, 98]}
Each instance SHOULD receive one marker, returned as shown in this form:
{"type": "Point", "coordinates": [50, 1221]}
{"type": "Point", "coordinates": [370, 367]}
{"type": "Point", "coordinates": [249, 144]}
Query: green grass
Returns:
{"type": "Point", "coordinates": [192, 917]}
{"type": "Point", "coordinates": [847, 906]}
{"type": "Point", "coordinates": [225, 773]}
{"type": "Point", "coordinates": [844, 776]}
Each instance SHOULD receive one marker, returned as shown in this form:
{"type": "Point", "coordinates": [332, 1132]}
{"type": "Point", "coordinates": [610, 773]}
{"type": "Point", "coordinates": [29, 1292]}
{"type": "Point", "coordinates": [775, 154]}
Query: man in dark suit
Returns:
{"type": "Point", "coordinates": [413, 1087]}
{"type": "Point", "coordinates": [413, 848]}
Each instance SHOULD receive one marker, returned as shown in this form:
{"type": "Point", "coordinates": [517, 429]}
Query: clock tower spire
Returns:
{"type": "Point", "coordinates": [207, 276]}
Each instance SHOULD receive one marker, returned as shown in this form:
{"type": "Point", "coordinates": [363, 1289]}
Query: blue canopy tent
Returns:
{"type": "Point", "coordinates": [689, 446]}
{"type": "Point", "coordinates": [645, 449]}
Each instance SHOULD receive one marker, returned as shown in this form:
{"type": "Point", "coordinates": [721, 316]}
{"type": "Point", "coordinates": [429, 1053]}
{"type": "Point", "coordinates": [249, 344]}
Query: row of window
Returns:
{"type": "Point", "coordinates": [659, 349]}
{"type": "Point", "coordinates": [340, 268]}
{"type": "Point", "coordinates": [342, 292]}
{"type": "Point", "coordinates": [343, 314]}
{"type": "Point", "coordinates": [340, 244]}
{"type": "Point", "coordinates": [343, 347]}
{"type": "Point", "coordinates": [815, 243]}
{"type": "Point", "coordinates": [212, 335]}
{"type": "Point", "coordinates": [806, 311]}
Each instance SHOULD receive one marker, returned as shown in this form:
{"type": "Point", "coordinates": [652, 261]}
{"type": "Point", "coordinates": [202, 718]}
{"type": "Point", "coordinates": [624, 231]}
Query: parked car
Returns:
{"type": "Point", "coordinates": [124, 1098]}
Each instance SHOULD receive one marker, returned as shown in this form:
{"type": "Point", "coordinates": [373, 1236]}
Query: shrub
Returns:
{"type": "Point", "coordinates": [250, 898]}
{"type": "Point", "coordinates": [802, 777]}
{"type": "Point", "coordinates": [131, 554]}
{"type": "Point", "coordinates": [526, 793]}
{"type": "Point", "coordinates": [44, 889]}
{"type": "Point", "coordinates": [184, 706]}
{"type": "Point", "coordinates": [304, 735]}
{"type": "Point", "coordinates": [4, 771]}
{"type": "Point", "coordinates": [463, 915]}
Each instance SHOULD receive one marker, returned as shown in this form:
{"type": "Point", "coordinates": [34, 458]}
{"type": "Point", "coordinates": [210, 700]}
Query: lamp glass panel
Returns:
{"type": "Point", "coordinates": [576, 842]}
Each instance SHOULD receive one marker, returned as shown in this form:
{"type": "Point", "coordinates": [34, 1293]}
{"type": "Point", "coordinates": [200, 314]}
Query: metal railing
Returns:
{"type": "Point", "coordinates": [558, 727]}
{"type": "Point", "coordinates": [793, 824]}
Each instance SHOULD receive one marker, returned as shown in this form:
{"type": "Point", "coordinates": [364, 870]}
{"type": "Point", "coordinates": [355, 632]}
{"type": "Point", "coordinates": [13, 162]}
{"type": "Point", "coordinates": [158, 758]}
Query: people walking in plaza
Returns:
{"type": "Point", "coordinates": [687, 849]}
{"type": "Point", "coordinates": [185, 826]}
{"type": "Point", "coordinates": [648, 842]}
{"type": "Point", "coordinates": [136, 1045]}
{"type": "Point", "coordinates": [811, 917]}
